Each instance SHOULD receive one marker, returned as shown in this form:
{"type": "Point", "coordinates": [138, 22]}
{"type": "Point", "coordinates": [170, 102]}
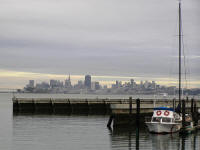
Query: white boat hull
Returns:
{"type": "Point", "coordinates": [155, 127]}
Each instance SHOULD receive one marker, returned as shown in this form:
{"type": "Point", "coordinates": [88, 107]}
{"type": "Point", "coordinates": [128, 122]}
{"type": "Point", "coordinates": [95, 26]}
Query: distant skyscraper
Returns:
{"type": "Point", "coordinates": [30, 86]}
{"type": "Point", "coordinates": [88, 81]}
{"type": "Point", "coordinates": [56, 84]}
{"type": "Point", "coordinates": [117, 84]}
{"type": "Point", "coordinates": [153, 84]}
{"type": "Point", "coordinates": [68, 83]}
{"type": "Point", "coordinates": [146, 84]}
{"type": "Point", "coordinates": [31, 83]}
{"type": "Point", "coordinates": [141, 84]}
{"type": "Point", "coordinates": [79, 85]}
{"type": "Point", "coordinates": [42, 85]}
{"type": "Point", "coordinates": [53, 83]}
{"type": "Point", "coordinates": [132, 83]}
{"type": "Point", "coordinates": [97, 86]}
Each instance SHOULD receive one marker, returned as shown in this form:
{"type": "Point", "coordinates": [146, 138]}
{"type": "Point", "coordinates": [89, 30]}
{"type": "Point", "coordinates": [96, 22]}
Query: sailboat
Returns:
{"type": "Point", "coordinates": [164, 119]}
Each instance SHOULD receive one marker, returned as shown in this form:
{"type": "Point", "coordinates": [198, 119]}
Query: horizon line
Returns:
{"type": "Point", "coordinates": [103, 79]}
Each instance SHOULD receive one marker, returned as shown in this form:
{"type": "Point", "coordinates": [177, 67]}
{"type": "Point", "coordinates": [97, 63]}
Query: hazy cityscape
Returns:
{"type": "Point", "coordinates": [100, 75]}
{"type": "Point", "coordinates": [94, 87]}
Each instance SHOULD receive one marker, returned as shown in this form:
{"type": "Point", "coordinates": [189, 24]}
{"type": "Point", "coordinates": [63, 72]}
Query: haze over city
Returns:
{"type": "Point", "coordinates": [99, 74]}
{"type": "Point", "coordinates": [111, 40]}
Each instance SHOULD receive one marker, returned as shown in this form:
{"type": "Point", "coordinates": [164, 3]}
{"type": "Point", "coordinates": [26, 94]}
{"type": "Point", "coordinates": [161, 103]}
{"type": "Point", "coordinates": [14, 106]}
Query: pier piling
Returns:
{"type": "Point", "coordinates": [110, 121]}
{"type": "Point", "coordinates": [183, 113]}
{"type": "Point", "coordinates": [195, 114]}
{"type": "Point", "coordinates": [174, 103]}
{"type": "Point", "coordinates": [130, 110]}
{"type": "Point", "coordinates": [138, 113]}
{"type": "Point", "coordinates": [192, 107]}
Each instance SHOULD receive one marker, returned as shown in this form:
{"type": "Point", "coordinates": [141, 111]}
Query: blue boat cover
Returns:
{"type": "Point", "coordinates": [163, 108]}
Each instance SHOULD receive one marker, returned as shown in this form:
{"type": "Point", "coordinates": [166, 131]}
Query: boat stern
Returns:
{"type": "Point", "coordinates": [161, 128]}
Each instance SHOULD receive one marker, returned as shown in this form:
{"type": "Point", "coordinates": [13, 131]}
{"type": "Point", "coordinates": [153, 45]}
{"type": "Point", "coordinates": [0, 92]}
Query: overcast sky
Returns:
{"type": "Point", "coordinates": [40, 39]}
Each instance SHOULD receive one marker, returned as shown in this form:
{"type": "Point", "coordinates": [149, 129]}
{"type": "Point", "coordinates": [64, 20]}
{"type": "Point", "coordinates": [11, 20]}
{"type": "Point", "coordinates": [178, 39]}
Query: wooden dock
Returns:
{"type": "Point", "coordinates": [88, 106]}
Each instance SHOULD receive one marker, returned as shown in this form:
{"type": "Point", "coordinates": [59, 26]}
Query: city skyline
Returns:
{"type": "Point", "coordinates": [23, 77]}
{"type": "Point", "coordinates": [87, 82]}
{"type": "Point", "coordinates": [90, 86]}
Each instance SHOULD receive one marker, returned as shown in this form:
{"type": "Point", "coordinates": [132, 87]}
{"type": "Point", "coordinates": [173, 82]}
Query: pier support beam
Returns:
{"type": "Point", "coordinates": [130, 111]}
{"type": "Point", "coordinates": [195, 114]}
{"type": "Point", "coordinates": [137, 123]}
{"type": "Point", "coordinates": [192, 107]}
{"type": "Point", "coordinates": [138, 113]}
{"type": "Point", "coordinates": [183, 114]}
{"type": "Point", "coordinates": [110, 121]}
{"type": "Point", "coordinates": [174, 105]}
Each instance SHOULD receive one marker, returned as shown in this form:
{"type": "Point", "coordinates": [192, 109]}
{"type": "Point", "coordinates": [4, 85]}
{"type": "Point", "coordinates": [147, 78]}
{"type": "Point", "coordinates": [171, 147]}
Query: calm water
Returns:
{"type": "Point", "coordinates": [50, 132]}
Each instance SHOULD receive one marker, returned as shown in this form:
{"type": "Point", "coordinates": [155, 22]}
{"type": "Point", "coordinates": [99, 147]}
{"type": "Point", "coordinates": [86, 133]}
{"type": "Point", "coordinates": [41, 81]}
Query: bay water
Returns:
{"type": "Point", "coordinates": [79, 132]}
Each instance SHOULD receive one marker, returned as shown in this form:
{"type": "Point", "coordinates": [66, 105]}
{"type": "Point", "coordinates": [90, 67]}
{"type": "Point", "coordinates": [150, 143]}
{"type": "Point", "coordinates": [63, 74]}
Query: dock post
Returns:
{"type": "Point", "coordinates": [195, 114]}
{"type": "Point", "coordinates": [137, 145]}
{"type": "Point", "coordinates": [110, 121]}
{"type": "Point", "coordinates": [183, 142]}
{"type": "Point", "coordinates": [174, 104]}
{"type": "Point", "coordinates": [130, 110]}
{"type": "Point", "coordinates": [129, 139]}
{"type": "Point", "coordinates": [192, 108]}
{"type": "Point", "coordinates": [15, 105]}
{"type": "Point", "coordinates": [138, 113]}
{"type": "Point", "coordinates": [183, 113]}
{"type": "Point", "coordinates": [137, 123]}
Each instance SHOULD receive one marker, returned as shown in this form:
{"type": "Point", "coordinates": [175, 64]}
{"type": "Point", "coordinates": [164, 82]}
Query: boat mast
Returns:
{"type": "Point", "coordinates": [180, 52]}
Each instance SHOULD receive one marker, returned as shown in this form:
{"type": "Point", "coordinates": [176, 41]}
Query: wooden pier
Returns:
{"type": "Point", "coordinates": [88, 106]}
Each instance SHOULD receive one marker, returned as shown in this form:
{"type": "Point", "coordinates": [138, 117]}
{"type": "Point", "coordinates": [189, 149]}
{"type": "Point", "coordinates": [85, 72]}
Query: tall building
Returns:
{"type": "Point", "coordinates": [68, 83]}
{"type": "Point", "coordinates": [141, 84]}
{"type": "Point", "coordinates": [53, 83]}
{"type": "Point", "coordinates": [117, 84]}
{"type": "Point", "coordinates": [88, 81]}
{"type": "Point", "coordinates": [146, 84]}
{"type": "Point", "coordinates": [79, 85]}
{"type": "Point", "coordinates": [97, 86]}
{"type": "Point", "coordinates": [30, 86]}
{"type": "Point", "coordinates": [93, 86]}
{"type": "Point", "coordinates": [31, 83]}
{"type": "Point", "coordinates": [42, 85]}
{"type": "Point", "coordinates": [153, 85]}
{"type": "Point", "coordinates": [133, 84]}
{"type": "Point", "coordinates": [56, 84]}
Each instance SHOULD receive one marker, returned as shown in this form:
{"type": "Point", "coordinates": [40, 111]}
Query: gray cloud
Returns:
{"type": "Point", "coordinates": [97, 36]}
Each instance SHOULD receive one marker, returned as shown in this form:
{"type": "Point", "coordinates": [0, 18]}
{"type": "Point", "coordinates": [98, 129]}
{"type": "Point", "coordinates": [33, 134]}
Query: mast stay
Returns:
{"type": "Point", "coordinates": [179, 95]}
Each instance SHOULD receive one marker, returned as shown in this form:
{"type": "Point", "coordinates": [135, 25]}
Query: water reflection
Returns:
{"type": "Point", "coordinates": [163, 142]}
{"type": "Point", "coordinates": [137, 138]}
{"type": "Point", "coordinates": [190, 142]}
{"type": "Point", "coordinates": [125, 138]}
